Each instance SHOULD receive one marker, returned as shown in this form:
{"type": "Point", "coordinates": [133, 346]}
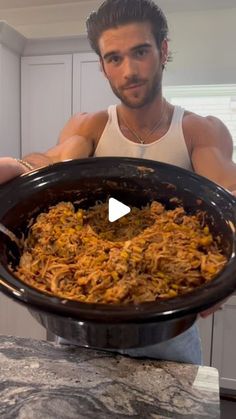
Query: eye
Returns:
{"type": "Point", "coordinates": [141, 52]}
{"type": "Point", "coordinates": [114, 59]}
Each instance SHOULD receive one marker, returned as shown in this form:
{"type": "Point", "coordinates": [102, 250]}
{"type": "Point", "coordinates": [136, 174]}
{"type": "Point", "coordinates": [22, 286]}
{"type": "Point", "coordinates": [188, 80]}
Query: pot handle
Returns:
{"type": "Point", "coordinates": [9, 289]}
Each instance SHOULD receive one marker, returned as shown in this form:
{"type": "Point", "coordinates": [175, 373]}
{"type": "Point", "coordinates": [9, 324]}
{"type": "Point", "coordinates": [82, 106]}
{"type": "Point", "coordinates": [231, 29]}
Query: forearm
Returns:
{"type": "Point", "coordinates": [37, 160]}
{"type": "Point", "coordinates": [232, 188]}
{"type": "Point", "coordinates": [11, 167]}
{"type": "Point", "coordinates": [73, 148]}
{"type": "Point", "coordinates": [228, 176]}
{"type": "Point", "coordinates": [209, 162]}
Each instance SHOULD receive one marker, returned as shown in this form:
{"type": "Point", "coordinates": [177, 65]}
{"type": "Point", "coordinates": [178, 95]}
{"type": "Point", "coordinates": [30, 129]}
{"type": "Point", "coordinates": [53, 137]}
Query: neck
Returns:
{"type": "Point", "coordinates": [147, 126]}
{"type": "Point", "coordinates": [144, 117]}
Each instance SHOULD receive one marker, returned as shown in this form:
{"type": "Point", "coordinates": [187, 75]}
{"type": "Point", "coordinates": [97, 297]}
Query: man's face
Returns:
{"type": "Point", "coordinates": [132, 63]}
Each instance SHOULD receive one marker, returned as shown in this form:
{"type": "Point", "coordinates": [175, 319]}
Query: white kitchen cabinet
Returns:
{"type": "Point", "coordinates": [205, 329]}
{"type": "Point", "coordinates": [9, 103]}
{"type": "Point", "coordinates": [11, 45]}
{"type": "Point", "coordinates": [53, 87]}
{"type": "Point", "coordinates": [15, 320]}
{"type": "Point", "coordinates": [91, 90]}
{"type": "Point", "coordinates": [46, 100]}
{"type": "Point", "coordinates": [224, 344]}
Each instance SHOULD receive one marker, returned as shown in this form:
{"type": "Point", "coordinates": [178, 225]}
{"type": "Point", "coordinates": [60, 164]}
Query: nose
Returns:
{"type": "Point", "coordinates": [130, 68]}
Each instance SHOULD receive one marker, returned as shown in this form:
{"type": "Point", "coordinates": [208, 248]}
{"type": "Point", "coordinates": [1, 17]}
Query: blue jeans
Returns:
{"type": "Point", "coordinates": [185, 347]}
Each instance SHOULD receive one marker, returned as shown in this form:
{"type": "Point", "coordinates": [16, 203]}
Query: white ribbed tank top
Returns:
{"type": "Point", "coordinates": [171, 148]}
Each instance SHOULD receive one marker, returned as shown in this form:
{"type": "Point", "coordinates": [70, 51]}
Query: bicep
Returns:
{"type": "Point", "coordinates": [72, 128]}
{"type": "Point", "coordinates": [212, 153]}
{"type": "Point", "coordinates": [210, 162]}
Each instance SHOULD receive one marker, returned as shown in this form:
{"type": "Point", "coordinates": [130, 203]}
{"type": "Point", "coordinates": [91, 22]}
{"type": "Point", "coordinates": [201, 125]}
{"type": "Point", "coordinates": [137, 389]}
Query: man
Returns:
{"type": "Point", "coordinates": [130, 37]}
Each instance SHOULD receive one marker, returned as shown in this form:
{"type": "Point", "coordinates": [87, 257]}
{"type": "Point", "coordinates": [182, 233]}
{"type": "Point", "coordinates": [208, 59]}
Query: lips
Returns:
{"type": "Point", "coordinates": [133, 86]}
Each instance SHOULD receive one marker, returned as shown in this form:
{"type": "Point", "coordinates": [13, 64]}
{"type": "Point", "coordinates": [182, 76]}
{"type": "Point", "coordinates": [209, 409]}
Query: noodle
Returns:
{"type": "Point", "coordinates": [150, 254]}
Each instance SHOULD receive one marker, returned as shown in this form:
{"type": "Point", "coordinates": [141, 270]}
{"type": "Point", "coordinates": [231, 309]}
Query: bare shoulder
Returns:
{"type": "Point", "coordinates": [208, 131]}
{"type": "Point", "coordinates": [87, 125]}
{"type": "Point", "coordinates": [90, 119]}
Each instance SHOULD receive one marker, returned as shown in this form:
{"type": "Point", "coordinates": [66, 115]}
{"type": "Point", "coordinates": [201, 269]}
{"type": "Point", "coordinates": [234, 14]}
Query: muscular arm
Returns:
{"type": "Point", "coordinates": [72, 148]}
{"type": "Point", "coordinates": [75, 142]}
{"type": "Point", "coordinates": [212, 149]}
{"type": "Point", "coordinates": [77, 139]}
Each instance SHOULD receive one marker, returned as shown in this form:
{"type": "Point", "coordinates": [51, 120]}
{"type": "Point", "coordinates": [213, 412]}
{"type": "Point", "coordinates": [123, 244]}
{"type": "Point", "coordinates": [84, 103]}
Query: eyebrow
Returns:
{"type": "Point", "coordinates": [111, 53]}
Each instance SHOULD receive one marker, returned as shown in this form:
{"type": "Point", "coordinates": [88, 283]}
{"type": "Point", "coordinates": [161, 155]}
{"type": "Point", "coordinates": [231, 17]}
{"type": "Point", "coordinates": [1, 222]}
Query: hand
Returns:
{"type": "Point", "coordinates": [10, 168]}
{"type": "Point", "coordinates": [213, 309]}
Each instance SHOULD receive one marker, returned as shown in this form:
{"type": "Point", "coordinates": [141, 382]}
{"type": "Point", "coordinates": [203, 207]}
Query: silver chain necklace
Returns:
{"type": "Point", "coordinates": [155, 127]}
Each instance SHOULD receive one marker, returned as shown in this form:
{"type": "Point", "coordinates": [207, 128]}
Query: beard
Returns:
{"type": "Point", "coordinates": [137, 101]}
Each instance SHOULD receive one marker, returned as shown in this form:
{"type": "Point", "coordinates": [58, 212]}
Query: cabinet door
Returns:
{"type": "Point", "coordinates": [15, 320]}
{"type": "Point", "coordinates": [9, 103]}
{"type": "Point", "coordinates": [205, 329]}
{"type": "Point", "coordinates": [224, 344]}
{"type": "Point", "coordinates": [91, 90]}
{"type": "Point", "coordinates": [46, 100]}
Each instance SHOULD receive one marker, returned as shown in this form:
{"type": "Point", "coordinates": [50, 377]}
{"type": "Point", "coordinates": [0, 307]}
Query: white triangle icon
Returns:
{"type": "Point", "coordinates": [116, 209]}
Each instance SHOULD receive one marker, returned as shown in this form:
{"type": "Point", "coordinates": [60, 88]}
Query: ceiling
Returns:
{"type": "Point", "coordinates": [167, 5]}
{"type": "Point", "coordinates": [50, 18]}
{"type": "Point", "coordinates": [12, 4]}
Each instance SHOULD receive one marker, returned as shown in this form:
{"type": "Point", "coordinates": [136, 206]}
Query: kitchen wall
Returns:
{"type": "Point", "coordinates": [202, 46]}
{"type": "Point", "coordinates": [202, 42]}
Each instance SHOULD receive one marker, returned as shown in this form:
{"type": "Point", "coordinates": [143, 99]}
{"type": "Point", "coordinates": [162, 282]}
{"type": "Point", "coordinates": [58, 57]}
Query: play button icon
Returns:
{"type": "Point", "coordinates": [116, 209]}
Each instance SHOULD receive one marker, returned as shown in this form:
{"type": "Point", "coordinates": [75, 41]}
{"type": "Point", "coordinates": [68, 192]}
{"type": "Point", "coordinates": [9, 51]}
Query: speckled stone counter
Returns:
{"type": "Point", "coordinates": [42, 380]}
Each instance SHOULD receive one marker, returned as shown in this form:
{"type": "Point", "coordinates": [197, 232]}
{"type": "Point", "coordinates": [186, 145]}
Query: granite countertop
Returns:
{"type": "Point", "coordinates": [42, 380]}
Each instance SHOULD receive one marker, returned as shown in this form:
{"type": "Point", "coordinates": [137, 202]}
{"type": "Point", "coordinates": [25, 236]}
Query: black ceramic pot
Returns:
{"type": "Point", "coordinates": [133, 182]}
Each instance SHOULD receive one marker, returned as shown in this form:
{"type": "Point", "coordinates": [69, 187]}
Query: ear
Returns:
{"type": "Point", "coordinates": [164, 52]}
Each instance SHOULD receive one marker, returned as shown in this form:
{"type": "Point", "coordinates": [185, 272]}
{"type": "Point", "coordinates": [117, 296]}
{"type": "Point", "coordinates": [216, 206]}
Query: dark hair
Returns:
{"type": "Point", "coordinates": [114, 13]}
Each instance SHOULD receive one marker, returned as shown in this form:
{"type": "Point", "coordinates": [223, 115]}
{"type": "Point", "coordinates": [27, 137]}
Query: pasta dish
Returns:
{"type": "Point", "coordinates": [150, 254]}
